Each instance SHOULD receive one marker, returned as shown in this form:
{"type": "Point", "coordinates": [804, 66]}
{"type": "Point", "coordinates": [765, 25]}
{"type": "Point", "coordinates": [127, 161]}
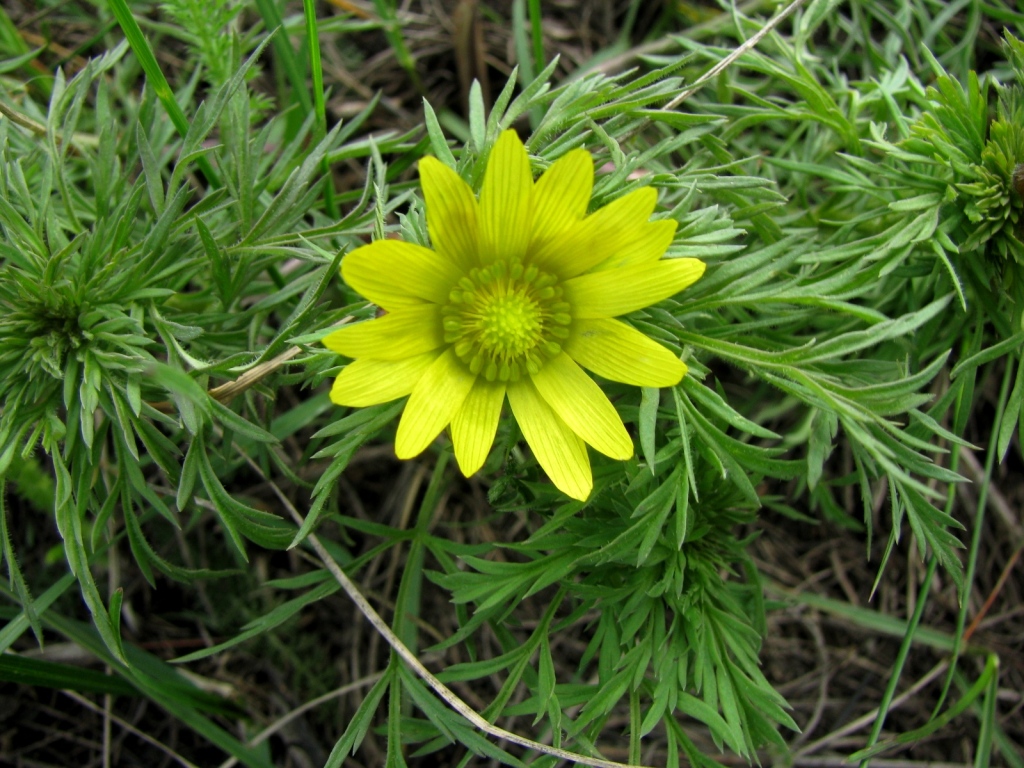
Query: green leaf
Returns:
{"type": "Point", "coordinates": [931, 526]}
{"type": "Point", "coordinates": [477, 120]}
{"type": "Point", "coordinates": [438, 143]}
{"type": "Point", "coordinates": [980, 686]}
{"type": "Point", "coordinates": [697, 709]}
{"type": "Point", "coordinates": [1011, 414]}
{"type": "Point", "coordinates": [359, 725]}
{"type": "Point", "coordinates": [824, 426]}
{"type": "Point", "coordinates": [192, 401]}
{"type": "Point", "coordinates": [655, 510]}
{"type": "Point", "coordinates": [270, 620]}
{"type": "Point", "coordinates": [17, 580]}
{"type": "Point", "coordinates": [69, 525]}
{"type": "Point", "coordinates": [49, 674]}
{"type": "Point", "coordinates": [17, 626]}
{"type": "Point", "coordinates": [235, 423]}
{"type": "Point", "coordinates": [155, 76]}
{"type": "Point", "coordinates": [649, 400]}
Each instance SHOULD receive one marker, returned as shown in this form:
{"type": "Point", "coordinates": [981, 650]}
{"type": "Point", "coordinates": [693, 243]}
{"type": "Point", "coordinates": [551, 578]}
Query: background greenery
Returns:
{"type": "Point", "coordinates": [792, 569]}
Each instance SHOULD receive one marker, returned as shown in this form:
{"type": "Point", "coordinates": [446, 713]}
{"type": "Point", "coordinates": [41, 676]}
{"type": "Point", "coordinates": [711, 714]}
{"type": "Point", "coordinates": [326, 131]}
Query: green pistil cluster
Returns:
{"type": "Point", "coordinates": [505, 319]}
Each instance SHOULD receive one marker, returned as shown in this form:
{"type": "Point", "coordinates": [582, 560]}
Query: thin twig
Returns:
{"type": "Point", "coordinates": [449, 697]}
{"type": "Point", "coordinates": [739, 51]}
{"type": "Point", "coordinates": [1006, 514]}
{"type": "Point", "coordinates": [131, 729]}
{"type": "Point", "coordinates": [701, 81]}
{"type": "Point", "coordinates": [108, 715]}
{"type": "Point", "coordinates": [814, 627]}
{"type": "Point", "coordinates": [661, 45]}
{"type": "Point", "coordinates": [869, 718]}
{"type": "Point", "coordinates": [227, 392]}
{"type": "Point", "coordinates": [280, 723]}
{"type": "Point", "coordinates": [26, 122]}
{"type": "Point", "coordinates": [991, 599]}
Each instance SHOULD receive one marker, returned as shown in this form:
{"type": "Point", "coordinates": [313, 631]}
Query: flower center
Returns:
{"type": "Point", "coordinates": [505, 319]}
{"type": "Point", "coordinates": [509, 325]}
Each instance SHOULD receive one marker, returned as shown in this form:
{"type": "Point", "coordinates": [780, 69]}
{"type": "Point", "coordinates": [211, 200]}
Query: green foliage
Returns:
{"type": "Point", "coordinates": [169, 263]}
{"type": "Point", "coordinates": [651, 562]}
{"type": "Point", "coordinates": [114, 289]}
{"type": "Point", "coordinates": [205, 28]}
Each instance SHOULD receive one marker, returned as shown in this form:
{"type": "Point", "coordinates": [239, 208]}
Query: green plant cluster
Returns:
{"type": "Point", "coordinates": [170, 259]}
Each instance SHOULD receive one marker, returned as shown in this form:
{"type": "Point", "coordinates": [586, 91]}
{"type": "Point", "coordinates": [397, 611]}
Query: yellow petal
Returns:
{"type": "Point", "coordinates": [560, 197]}
{"type": "Point", "coordinates": [612, 349]}
{"type": "Point", "coordinates": [434, 401]}
{"type": "Point", "coordinates": [559, 451]}
{"type": "Point", "coordinates": [370, 382]}
{"type": "Point", "coordinates": [654, 240]}
{"type": "Point", "coordinates": [598, 237]}
{"type": "Point", "coordinates": [475, 424]}
{"type": "Point", "coordinates": [581, 404]}
{"type": "Point", "coordinates": [394, 274]}
{"type": "Point", "coordinates": [505, 201]}
{"type": "Point", "coordinates": [451, 213]}
{"type": "Point", "coordinates": [406, 332]}
{"type": "Point", "coordinates": [616, 292]}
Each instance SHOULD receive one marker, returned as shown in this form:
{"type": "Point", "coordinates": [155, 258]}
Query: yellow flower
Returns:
{"type": "Point", "coordinates": [520, 290]}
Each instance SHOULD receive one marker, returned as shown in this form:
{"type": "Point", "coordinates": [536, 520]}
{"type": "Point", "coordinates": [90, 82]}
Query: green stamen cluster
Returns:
{"type": "Point", "coordinates": [505, 319]}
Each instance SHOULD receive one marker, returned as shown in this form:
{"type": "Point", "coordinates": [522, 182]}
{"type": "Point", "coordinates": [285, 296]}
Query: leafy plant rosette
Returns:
{"type": "Point", "coordinates": [519, 292]}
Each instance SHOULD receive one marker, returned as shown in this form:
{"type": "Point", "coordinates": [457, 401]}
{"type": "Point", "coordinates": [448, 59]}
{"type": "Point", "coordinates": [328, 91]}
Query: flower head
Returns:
{"type": "Point", "coordinates": [520, 290]}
